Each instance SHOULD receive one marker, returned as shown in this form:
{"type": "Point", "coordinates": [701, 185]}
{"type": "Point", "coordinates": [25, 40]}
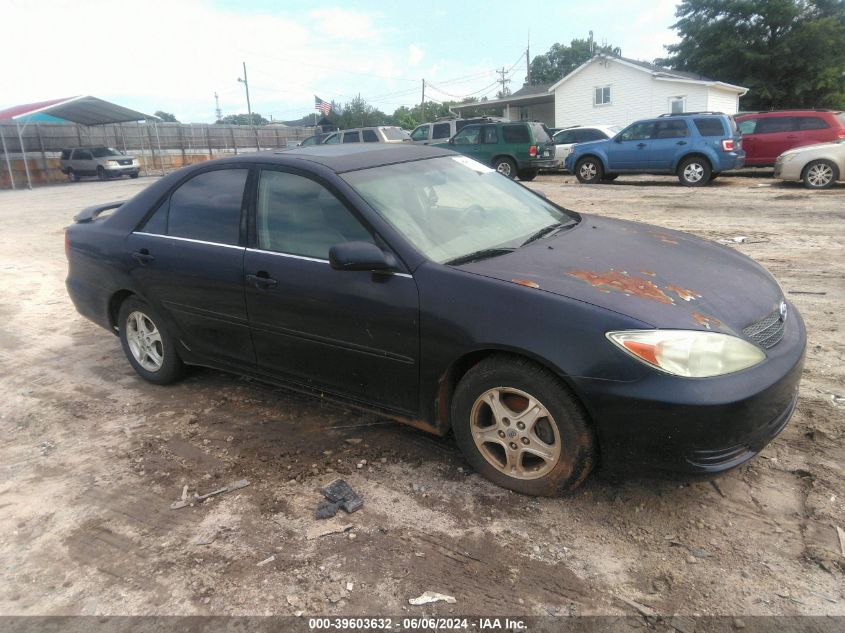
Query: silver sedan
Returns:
{"type": "Point", "coordinates": [819, 166]}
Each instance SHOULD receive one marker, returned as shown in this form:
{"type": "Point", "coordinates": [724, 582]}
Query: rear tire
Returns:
{"type": "Point", "coordinates": [520, 427]}
{"type": "Point", "coordinates": [505, 166]}
{"type": "Point", "coordinates": [820, 174]}
{"type": "Point", "coordinates": [148, 346]}
{"type": "Point", "coordinates": [527, 175]}
{"type": "Point", "coordinates": [589, 170]}
{"type": "Point", "coordinates": [694, 171]}
{"type": "Point", "coordinates": [133, 175]}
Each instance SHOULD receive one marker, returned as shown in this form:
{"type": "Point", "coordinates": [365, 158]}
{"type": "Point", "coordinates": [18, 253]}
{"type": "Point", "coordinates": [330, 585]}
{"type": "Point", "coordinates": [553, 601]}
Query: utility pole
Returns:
{"type": "Point", "coordinates": [217, 109]}
{"type": "Point", "coordinates": [504, 81]}
{"type": "Point", "coordinates": [246, 85]}
{"type": "Point", "coordinates": [422, 103]}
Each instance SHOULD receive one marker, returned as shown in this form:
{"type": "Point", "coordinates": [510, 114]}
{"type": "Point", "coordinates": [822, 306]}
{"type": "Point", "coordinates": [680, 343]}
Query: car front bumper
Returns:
{"type": "Point", "coordinates": [789, 171]}
{"type": "Point", "coordinates": [697, 426]}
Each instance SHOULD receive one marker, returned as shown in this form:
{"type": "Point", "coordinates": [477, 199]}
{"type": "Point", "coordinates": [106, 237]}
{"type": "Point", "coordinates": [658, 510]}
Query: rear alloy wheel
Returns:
{"type": "Point", "coordinates": [694, 172]}
{"type": "Point", "coordinates": [527, 175]}
{"type": "Point", "coordinates": [505, 166]}
{"type": "Point", "coordinates": [147, 346]}
{"type": "Point", "coordinates": [101, 173]}
{"type": "Point", "coordinates": [71, 175]}
{"type": "Point", "coordinates": [521, 428]}
{"type": "Point", "coordinates": [820, 174]}
{"type": "Point", "coordinates": [589, 170]}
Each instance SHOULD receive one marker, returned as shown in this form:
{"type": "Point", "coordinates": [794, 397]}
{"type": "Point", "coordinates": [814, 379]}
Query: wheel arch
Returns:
{"type": "Point", "coordinates": [697, 153]}
{"type": "Point", "coordinates": [595, 155]}
{"type": "Point", "coordinates": [115, 301]}
{"type": "Point", "coordinates": [510, 157]}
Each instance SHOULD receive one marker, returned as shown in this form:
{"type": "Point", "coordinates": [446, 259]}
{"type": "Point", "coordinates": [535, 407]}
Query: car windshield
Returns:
{"type": "Point", "coordinates": [101, 152]}
{"type": "Point", "coordinates": [454, 209]}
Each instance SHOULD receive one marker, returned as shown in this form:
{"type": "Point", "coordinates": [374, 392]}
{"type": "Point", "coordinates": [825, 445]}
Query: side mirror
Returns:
{"type": "Point", "coordinates": [360, 256]}
{"type": "Point", "coordinates": [616, 139]}
{"type": "Point", "coordinates": [451, 141]}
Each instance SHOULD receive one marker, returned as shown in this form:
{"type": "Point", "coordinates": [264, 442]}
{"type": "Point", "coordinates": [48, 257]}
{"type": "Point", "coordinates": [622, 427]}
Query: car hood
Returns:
{"type": "Point", "coordinates": [665, 278]}
{"type": "Point", "coordinates": [818, 148]}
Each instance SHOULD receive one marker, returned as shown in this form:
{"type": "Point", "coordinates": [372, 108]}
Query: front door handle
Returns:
{"type": "Point", "coordinates": [640, 145]}
{"type": "Point", "coordinates": [143, 256]}
{"type": "Point", "coordinates": [681, 143]}
{"type": "Point", "coordinates": [261, 279]}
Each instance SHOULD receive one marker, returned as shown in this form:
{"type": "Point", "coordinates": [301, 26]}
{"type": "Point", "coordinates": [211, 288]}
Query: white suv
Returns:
{"type": "Point", "coordinates": [567, 137]}
{"type": "Point", "coordinates": [376, 134]}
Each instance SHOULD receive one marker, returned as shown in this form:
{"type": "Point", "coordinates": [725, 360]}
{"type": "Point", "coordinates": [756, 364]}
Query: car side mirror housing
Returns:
{"type": "Point", "coordinates": [360, 256]}
{"type": "Point", "coordinates": [451, 141]}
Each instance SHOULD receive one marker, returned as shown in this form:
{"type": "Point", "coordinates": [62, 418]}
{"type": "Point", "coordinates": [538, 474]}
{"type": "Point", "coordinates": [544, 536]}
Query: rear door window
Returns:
{"type": "Point", "coordinates": [468, 136]}
{"type": "Point", "coordinates": [709, 127]}
{"type": "Point", "coordinates": [207, 207]}
{"type": "Point", "coordinates": [670, 128]}
{"type": "Point", "coordinates": [569, 136]}
{"type": "Point", "coordinates": [515, 133]}
{"type": "Point", "coordinates": [352, 137]}
{"type": "Point", "coordinates": [370, 136]}
{"type": "Point", "coordinates": [490, 135]}
{"type": "Point", "coordinates": [775, 124]}
{"type": "Point", "coordinates": [441, 130]}
{"type": "Point", "coordinates": [812, 123]}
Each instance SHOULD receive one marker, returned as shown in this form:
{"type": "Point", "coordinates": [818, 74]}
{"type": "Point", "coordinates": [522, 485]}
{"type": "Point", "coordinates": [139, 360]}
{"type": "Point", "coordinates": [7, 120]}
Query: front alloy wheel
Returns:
{"type": "Point", "coordinates": [515, 433]}
{"type": "Point", "coordinates": [820, 174]}
{"type": "Point", "coordinates": [589, 170]}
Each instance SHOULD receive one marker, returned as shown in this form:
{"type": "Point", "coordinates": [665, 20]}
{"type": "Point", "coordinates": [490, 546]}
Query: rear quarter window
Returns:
{"type": "Point", "coordinates": [516, 134]}
{"type": "Point", "coordinates": [208, 207]}
{"type": "Point", "coordinates": [709, 127]}
{"type": "Point", "coordinates": [812, 123]}
{"type": "Point", "coordinates": [65, 154]}
{"type": "Point", "coordinates": [370, 136]}
{"type": "Point", "coordinates": [541, 134]}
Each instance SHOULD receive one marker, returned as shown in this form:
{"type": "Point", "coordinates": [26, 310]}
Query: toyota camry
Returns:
{"type": "Point", "coordinates": [422, 285]}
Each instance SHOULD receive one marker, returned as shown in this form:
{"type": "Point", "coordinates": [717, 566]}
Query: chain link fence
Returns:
{"type": "Point", "coordinates": [160, 147]}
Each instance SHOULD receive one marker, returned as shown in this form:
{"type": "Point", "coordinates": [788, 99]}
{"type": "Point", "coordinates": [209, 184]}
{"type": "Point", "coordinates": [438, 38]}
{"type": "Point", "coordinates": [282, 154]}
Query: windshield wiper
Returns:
{"type": "Point", "coordinates": [544, 232]}
{"type": "Point", "coordinates": [477, 256]}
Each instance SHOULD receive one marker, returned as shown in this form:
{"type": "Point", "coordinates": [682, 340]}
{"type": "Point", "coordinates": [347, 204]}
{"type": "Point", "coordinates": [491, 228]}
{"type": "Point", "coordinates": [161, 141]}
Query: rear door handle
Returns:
{"type": "Point", "coordinates": [640, 145]}
{"type": "Point", "coordinates": [261, 280]}
{"type": "Point", "coordinates": [681, 143]}
{"type": "Point", "coordinates": [142, 256]}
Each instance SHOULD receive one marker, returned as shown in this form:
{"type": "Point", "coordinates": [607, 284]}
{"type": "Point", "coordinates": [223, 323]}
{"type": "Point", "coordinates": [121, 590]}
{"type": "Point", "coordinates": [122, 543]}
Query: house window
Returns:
{"type": "Point", "coordinates": [677, 104]}
{"type": "Point", "coordinates": [601, 95]}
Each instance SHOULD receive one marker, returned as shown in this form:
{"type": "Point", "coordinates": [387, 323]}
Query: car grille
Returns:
{"type": "Point", "coordinates": [768, 331]}
{"type": "Point", "coordinates": [125, 162]}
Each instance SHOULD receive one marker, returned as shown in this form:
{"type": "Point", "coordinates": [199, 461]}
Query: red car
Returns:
{"type": "Point", "coordinates": [767, 135]}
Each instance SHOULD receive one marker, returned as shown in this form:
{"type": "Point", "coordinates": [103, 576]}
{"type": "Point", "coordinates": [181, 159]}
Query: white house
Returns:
{"type": "Point", "coordinates": [609, 90]}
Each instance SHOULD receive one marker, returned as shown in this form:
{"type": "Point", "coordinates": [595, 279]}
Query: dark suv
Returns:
{"type": "Point", "coordinates": [767, 135]}
{"type": "Point", "coordinates": [696, 146]}
{"type": "Point", "coordinates": [512, 148]}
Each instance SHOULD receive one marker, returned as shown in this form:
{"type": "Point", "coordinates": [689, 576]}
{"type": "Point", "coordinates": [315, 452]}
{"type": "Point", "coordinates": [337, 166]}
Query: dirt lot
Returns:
{"type": "Point", "coordinates": [91, 458]}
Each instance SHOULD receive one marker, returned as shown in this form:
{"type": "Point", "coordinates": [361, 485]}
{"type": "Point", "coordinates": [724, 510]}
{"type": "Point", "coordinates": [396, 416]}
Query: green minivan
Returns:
{"type": "Point", "coordinates": [512, 148]}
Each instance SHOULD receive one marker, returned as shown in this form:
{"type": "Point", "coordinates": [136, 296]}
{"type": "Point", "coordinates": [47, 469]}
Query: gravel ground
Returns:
{"type": "Point", "coordinates": [91, 457]}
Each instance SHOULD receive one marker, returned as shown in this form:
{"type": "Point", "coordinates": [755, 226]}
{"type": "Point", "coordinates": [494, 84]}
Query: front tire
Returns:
{"type": "Point", "coordinates": [71, 176]}
{"type": "Point", "coordinates": [520, 427]}
{"type": "Point", "coordinates": [820, 174]}
{"type": "Point", "coordinates": [148, 347]}
{"type": "Point", "coordinates": [589, 170]}
{"type": "Point", "coordinates": [694, 172]}
{"type": "Point", "coordinates": [101, 174]}
{"type": "Point", "coordinates": [505, 166]}
{"type": "Point", "coordinates": [527, 175]}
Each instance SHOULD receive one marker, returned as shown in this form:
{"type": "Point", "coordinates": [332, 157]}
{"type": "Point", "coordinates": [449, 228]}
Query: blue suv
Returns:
{"type": "Point", "coordinates": [696, 146]}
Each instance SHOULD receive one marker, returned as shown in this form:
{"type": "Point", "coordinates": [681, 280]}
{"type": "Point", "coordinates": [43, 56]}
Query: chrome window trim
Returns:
{"type": "Point", "coordinates": [188, 239]}
{"type": "Point", "coordinates": [312, 259]}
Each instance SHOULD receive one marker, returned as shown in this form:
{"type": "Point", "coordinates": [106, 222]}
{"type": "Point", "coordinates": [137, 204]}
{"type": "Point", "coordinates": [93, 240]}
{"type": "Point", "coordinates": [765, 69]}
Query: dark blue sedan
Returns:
{"type": "Point", "coordinates": [420, 284]}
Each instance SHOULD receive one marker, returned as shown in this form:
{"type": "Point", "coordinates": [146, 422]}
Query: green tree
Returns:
{"type": "Point", "coordinates": [789, 53]}
{"type": "Point", "coordinates": [167, 117]}
{"type": "Point", "coordinates": [243, 119]}
{"type": "Point", "coordinates": [561, 59]}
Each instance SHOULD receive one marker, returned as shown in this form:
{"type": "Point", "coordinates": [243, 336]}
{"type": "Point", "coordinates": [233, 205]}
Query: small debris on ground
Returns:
{"type": "Point", "coordinates": [841, 534]}
{"type": "Point", "coordinates": [353, 440]}
{"type": "Point", "coordinates": [431, 596]}
{"type": "Point", "coordinates": [324, 529]}
{"type": "Point", "coordinates": [697, 552]}
{"type": "Point", "coordinates": [205, 538]}
{"type": "Point", "coordinates": [641, 608]}
{"type": "Point", "coordinates": [266, 561]}
{"type": "Point", "coordinates": [184, 501]}
{"type": "Point", "coordinates": [805, 292]}
{"type": "Point", "coordinates": [681, 623]}
{"type": "Point", "coordinates": [340, 495]}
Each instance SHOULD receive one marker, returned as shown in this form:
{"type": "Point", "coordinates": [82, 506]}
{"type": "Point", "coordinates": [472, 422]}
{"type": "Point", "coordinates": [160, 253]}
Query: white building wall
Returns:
{"type": "Point", "coordinates": [723, 101]}
{"type": "Point", "coordinates": [634, 95]}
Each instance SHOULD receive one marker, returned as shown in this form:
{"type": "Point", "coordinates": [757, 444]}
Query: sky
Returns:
{"type": "Point", "coordinates": [174, 55]}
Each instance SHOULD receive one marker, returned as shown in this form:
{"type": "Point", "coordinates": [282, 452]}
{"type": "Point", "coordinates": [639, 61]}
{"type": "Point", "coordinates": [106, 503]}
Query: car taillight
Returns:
{"type": "Point", "coordinates": [728, 144]}
{"type": "Point", "coordinates": [840, 134]}
{"type": "Point", "coordinates": [67, 245]}
{"type": "Point", "coordinates": [532, 151]}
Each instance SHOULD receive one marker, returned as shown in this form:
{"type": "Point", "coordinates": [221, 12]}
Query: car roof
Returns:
{"type": "Point", "coordinates": [351, 157]}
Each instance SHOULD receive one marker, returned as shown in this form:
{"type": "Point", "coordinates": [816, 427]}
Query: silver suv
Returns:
{"type": "Point", "coordinates": [103, 162]}
{"type": "Point", "coordinates": [376, 134]}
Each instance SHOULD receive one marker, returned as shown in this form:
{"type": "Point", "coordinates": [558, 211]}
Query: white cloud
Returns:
{"type": "Point", "coordinates": [415, 54]}
{"type": "Point", "coordinates": [343, 24]}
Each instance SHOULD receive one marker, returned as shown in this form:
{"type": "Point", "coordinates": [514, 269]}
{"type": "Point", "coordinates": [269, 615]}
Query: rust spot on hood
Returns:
{"type": "Point", "coordinates": [706, 321]}
{"type": "Point", "coordinates": [650, 273]}
{"type": "Point", "coordinates": [621, 281]}
{"type": "Point", "coordinates": [665, 238]}
{"type": "Point", "coordinates": [684, 293]}
{"type": "Point", "coordinates": [526, 282]}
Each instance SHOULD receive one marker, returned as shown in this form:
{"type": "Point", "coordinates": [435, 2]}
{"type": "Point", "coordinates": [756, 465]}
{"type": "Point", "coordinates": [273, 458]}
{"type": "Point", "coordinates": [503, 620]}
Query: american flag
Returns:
{"type": "Point", "coordinates": [323, 106]}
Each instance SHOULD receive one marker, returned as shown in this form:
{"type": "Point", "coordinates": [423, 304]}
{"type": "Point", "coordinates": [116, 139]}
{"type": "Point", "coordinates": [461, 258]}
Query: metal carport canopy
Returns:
{"type": "Point", "coordinates": [84, 109]}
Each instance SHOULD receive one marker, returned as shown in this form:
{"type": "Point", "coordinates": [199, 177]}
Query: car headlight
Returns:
{"type": "Point", "coordinates": [112, 163]}
{"type": "Point", "coordinates": [689, 353]}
